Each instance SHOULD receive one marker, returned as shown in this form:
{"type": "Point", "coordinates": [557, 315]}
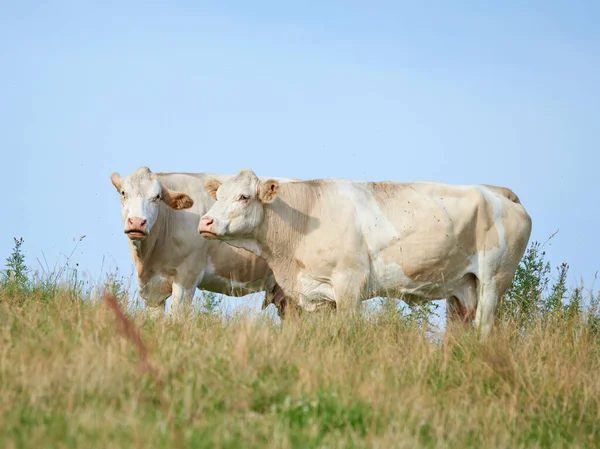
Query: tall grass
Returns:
{"type": "Point", "coordinates": [75, 371]}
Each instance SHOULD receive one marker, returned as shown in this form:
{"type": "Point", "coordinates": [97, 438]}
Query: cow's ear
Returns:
{"type": "Point", "coordinates": [117, 181]}
{"type": "Point", "coordinates": [176, 200]}
{"type": "Point", "coordinates": [211, 186]}
{"type": "Point", "coordinates": [267, 191]}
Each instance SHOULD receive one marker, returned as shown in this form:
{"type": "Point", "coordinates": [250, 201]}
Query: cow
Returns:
{"type": "Point", "coordinates": [171, 259]}
{"type": "Point", "coordinates": [338, 242]}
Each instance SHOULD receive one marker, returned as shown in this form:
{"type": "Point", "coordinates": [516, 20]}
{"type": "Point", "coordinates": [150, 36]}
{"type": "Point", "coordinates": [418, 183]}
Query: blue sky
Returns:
{"type": "Point", "coordinates": [462, 92]}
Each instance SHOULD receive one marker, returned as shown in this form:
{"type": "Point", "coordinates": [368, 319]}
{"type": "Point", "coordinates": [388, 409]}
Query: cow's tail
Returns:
{"type": "Point", "coordinates": [505, 191]}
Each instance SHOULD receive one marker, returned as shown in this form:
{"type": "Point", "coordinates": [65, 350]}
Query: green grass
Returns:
{"type": "Point", "coordinates": [69, 378]}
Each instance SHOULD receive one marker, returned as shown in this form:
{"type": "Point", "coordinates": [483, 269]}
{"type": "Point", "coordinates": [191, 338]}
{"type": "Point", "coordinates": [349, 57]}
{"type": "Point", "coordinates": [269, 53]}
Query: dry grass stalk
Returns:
{"type": "Point", "coordinates": [132, 333]}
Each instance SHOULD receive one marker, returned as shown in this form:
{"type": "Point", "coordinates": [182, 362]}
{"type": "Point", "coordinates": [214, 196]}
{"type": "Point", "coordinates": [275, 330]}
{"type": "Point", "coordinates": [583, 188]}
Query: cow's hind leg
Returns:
{"type": "Point", "coordinates": [489, 294]}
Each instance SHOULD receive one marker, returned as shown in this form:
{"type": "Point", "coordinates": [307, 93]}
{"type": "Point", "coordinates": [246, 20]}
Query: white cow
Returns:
{"type": "Point", "coordinates": [171, 259]}
{"type": "Point", "coordinates": [339, 241]}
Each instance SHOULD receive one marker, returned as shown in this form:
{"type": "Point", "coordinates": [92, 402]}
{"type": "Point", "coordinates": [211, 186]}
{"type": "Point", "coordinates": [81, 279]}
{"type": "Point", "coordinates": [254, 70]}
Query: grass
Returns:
{"type": "Point", "coordinates": [71, 375]}
{"type": "Point", "coordinates": [78, 371]}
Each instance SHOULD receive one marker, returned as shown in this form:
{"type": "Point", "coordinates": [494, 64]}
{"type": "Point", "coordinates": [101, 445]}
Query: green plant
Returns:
{"type": "Point", "coordinates": [210, 302]}
{"type": "Point", "coordinates": [521, 301]}
{"type": "Point", "coordinates": [115, 284]}
{"type": "Point", "coordinates": [14, 279]}
{"type": "Point", "coordinates": [421, 314]}
{"type": "Point", "coordinates": [553, 305]}
{"type": "Point", "coordinates": [411, 314]}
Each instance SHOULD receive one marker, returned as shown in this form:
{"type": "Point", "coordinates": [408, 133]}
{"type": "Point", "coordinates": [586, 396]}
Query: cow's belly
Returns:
{"type": "Point", "coordinates": [389, 279]}
{"type": "Point", "coordinates": [230, 287]}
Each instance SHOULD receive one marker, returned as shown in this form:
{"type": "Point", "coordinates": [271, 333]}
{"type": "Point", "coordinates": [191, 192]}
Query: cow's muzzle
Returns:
{"type": "Point", "coordinates": [136, 228]}
{"type": "Point", "coordinates": [206, 228]}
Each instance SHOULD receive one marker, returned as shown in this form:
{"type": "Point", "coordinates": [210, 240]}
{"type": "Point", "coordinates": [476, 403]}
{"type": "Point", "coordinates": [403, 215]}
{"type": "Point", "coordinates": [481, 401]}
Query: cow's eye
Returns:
{"type": "Point", "coordinates": [244, 197]}
{"type": "Point", "coordinates": [123, 193]}
{"type": "Point", "coordinates": [156, 198]}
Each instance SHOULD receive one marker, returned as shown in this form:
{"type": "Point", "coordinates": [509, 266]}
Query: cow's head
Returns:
{"type": "Point", "coordinates": [141, 194]}
{"type": "Point", "coordinates": [239, 206]}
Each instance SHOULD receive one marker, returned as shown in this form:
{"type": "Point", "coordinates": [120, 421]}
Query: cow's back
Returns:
{"type": "Point", "coordinates": [444, 230]}
{"type": "Point", "coordinates": [432, 231]}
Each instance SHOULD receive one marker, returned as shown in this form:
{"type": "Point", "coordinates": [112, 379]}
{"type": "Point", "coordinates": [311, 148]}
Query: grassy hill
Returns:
{"type": "Point", "coordinates": [77, 372]}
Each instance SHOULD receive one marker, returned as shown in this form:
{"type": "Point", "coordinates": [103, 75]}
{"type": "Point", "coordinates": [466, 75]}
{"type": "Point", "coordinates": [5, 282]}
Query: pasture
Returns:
{"type": "Point", "coordinates": [299, 155]}
{"type": "Point", "coordinates": [74, 372]}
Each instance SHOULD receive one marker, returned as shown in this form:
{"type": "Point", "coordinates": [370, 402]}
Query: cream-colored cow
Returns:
{"type": "Point", "coordinates": [171, 259]}
{"type": "Point", "coordinates": [340, 241]}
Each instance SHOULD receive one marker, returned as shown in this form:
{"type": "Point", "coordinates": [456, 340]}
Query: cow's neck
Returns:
{"type": "Point", "coordinates": [285, 223]}
{"type": "Point", "coordinates": [143, 251]}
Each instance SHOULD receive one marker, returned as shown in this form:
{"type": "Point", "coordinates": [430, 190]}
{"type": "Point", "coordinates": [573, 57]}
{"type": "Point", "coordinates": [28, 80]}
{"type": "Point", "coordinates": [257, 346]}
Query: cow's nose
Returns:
{"type": "Point", "coordinates": [206, 225]}
{"type": "Point", "coordinates": [137, 223]}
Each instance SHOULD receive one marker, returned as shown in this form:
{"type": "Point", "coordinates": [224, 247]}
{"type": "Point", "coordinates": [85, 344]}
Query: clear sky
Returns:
{"type": "Point", "coordinates": [504, 93]}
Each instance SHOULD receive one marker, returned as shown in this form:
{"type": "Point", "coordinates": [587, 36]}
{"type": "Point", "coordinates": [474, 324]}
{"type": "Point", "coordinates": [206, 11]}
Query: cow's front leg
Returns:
{"type": "Point", "coordinates": [155, 296]}
{"type": "Point", "coordinates": [286, 309]}
{"type": "Point", "coordinates": [347, 293]}
{"type": "Point", "coordinates": [181, 300]}
{"type": "Point", "coordinates": [155, 312]}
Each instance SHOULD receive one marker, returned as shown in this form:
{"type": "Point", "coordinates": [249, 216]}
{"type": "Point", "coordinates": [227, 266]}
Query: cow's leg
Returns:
{"type": "Point", "coordinates": [486, 307]}
{"type": "Point", "coordinates": [347, 294]}
{"type": "Point", "coordinates": [181, 299]}
{"type": "Point", "coordinates": [155, 312]}
{"type": "Point", "coordinates": [274, 295]}
{"type": "Point", "coordinates": [286, 309]}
